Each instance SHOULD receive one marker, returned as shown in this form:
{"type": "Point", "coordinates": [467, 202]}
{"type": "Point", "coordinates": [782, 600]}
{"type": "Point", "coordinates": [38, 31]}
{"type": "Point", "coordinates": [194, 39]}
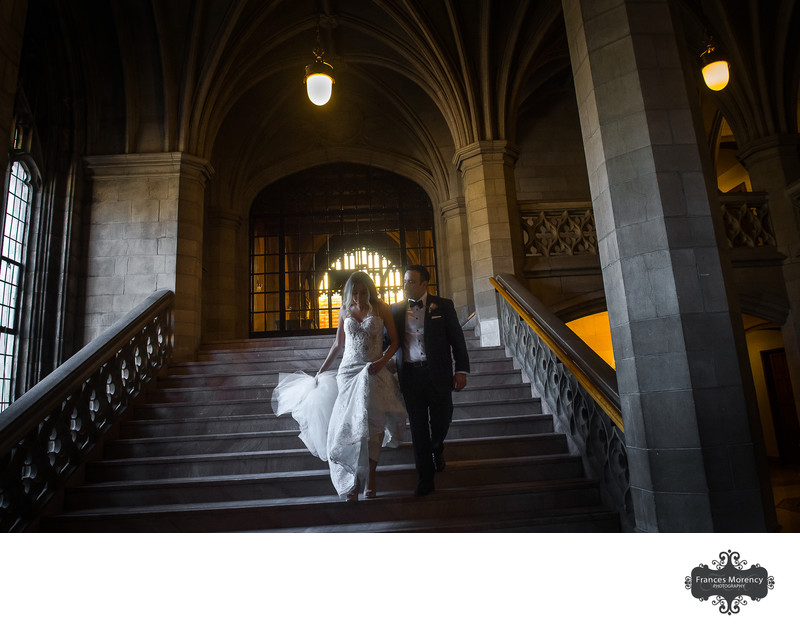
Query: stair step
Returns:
{"type": "Point", "coordinates": [266, 461]}
{"type": "Point", "coordinates": [318, 339]}
{"type": "Point", "coordinates": [269, 379]}
{"type": "Point", "coordinates": [273, 355]}
{"type": "Point", "coordinates": [201, 368]}
{"type": "Point", "coordinates": [534, 498]}
{"type": "Point", "coordinates": [477, 364]}
{"type": "Point", "coordinates": [270, 440]}
{"type": "Point", "coordinates": [205, 453]}
{"type": "Point", "coordinates": [299, 341]}
{"type": "Point", "coordinates": [573, 520]}
{"type": "Point", "coordinates": [459, 428]}
{"type": "Point", "coordinates": [275, 439]}
{"type": "Point", "coordinates": [514, 407]}
{"type": "Point", "coordinates": [314, 482]}
{"type": "Point", "coordinates": [153, 428]}
{"type": "Point", "coordinates": [492, 392]}
{"type": "Point", "coordinates": [260, 392]}
{"type": "Point", "coordinates": [209, 351]}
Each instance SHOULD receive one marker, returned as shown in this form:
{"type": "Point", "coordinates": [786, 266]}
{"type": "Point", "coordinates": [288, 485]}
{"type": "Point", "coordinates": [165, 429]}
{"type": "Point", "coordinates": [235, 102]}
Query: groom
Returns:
{"type": "Point", "coordinates": [430, 339]}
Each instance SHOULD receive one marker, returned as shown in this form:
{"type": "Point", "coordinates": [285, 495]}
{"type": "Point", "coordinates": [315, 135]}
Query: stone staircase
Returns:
{"type": "Point", "coordinates": [204, 453]}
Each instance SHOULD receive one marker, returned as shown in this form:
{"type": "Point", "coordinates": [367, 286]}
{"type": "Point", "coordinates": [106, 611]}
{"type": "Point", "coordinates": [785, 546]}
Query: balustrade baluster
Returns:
{"type": "Point", "coordinates": [575, 412]}
{"type": "Point", "coordinates": [47, 433]}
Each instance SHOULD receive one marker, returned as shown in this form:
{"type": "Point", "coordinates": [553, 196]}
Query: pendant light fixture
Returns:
{"type": "Point", "coordinates": [716, 70]}
{"type": "Point", "coordinates": [319, 76]}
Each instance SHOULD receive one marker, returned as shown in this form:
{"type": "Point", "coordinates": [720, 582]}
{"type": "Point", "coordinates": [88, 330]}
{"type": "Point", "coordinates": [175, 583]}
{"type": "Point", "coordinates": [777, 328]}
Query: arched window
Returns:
{"type": "Point", "coordinates": [388, 279]}
{"type": "Point", "coordinates": [309, 231]}
{"type": "Point", "coordinates": [12, 252]}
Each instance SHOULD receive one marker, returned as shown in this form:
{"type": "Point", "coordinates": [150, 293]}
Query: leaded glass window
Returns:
{"type": "Point", "coordinates": [12, 253]}
{"type": "Point", "coordinates": [309, 231]}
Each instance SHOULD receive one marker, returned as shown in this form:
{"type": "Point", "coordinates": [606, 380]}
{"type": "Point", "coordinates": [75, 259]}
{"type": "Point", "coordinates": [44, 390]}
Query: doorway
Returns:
{"type": "Point", "coordinates": [781, 398]}
{"type": "Point", "coordinates": [311, 230]}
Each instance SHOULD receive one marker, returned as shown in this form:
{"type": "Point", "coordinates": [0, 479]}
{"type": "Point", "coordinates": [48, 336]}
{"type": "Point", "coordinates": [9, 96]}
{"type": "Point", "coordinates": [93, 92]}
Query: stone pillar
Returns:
{"type": "Point", "coordinates": [773, 164]}
{"type": "Point", "coordinates": [495, 234]}
{"type": "Point", "coordinates": [220, 312]}
{"type": "Point", "coordinates": [145, 234]}
{"type": "Point", "coordinates": [456, 263]}
{"type": "Point", "coordinates": [12, 27]}
{"type": "Point", "coordinates": [688, 423]}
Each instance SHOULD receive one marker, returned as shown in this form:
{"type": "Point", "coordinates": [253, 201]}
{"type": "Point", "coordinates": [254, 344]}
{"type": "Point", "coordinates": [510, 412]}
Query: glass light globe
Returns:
{"type": "Point", "coordinates": [319, 87]}
{"type": "Point", "coordinates": [716, 75]}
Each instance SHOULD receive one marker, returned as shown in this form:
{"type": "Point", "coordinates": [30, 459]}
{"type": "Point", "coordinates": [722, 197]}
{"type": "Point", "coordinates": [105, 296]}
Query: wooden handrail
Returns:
{"type": "Point", "coordinates": [50, 431]}
{"type": "Point", "coordinates": [26, 412]}
{"type": "Point", "coordinates": [598, 388]}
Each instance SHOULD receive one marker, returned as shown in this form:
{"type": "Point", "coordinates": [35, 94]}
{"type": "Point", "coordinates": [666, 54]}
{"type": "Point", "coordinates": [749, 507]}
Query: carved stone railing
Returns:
{"type": "Point", "coordinates": [568, 228]}
{"type": "Point", "coordinates": [747, 220]}
{"type": "Point", "coordinates": [578, 386]}
{"type": "Point", "coordinates": [47, 433]}
{"type": "Point", "coordinates": [559, 230]}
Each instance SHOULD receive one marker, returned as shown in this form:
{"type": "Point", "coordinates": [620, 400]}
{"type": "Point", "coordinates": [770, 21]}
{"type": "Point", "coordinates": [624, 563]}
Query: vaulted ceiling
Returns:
{"type": "Point", "coordinates": [760, 39]}
{"type": "Point", "coordinates": [223, 80]}
{"type": "Point", "coordinates": [415, 79]}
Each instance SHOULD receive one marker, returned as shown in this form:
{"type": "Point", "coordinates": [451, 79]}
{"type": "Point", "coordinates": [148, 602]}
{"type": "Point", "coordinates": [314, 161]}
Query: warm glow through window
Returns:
{"type": "Point", "coordinates": [387, 277]}
{"type": "Point", "coordinates": [311, 230]}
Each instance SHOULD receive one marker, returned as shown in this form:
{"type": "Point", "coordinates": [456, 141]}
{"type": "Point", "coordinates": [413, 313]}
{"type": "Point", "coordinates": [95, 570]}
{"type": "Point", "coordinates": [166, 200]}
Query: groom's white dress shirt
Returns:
{"type": "Point", "coordinates": [414, 342]}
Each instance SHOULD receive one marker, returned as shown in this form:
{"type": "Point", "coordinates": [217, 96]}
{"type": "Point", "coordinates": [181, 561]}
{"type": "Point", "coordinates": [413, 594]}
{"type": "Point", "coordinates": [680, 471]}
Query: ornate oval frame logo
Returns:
{"type": "Point", "coordinates": [729, 583]}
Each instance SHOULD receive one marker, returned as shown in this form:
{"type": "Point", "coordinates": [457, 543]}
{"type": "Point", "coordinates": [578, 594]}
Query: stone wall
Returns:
{"type": "Point", "coordinates": [456, 260]}
{"type": "Point", "coordinates": [492, 216]}
{"type": "Point", "coordinates": [551, 164]}
{"type": "Point", "coordinates": [552, 180]}
{"type": "Point", "coordinates": [144, 233]}
{"type": "Point", "coordinates": [689, 419]}
{"type": "Point", "coordinates": [12, 26]}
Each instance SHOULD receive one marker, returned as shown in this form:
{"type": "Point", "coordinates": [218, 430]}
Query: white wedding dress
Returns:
{"type": "Point", "coordinates": [338, 416]}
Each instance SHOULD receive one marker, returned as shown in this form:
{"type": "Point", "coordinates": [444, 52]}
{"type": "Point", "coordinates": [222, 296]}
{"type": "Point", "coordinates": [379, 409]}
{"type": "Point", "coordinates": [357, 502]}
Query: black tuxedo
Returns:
{"type": "Point", "coordinates": [427, 389]}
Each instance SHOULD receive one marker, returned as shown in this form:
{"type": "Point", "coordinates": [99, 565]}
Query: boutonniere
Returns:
{"type": "Point", "coordinates": [432, 307]}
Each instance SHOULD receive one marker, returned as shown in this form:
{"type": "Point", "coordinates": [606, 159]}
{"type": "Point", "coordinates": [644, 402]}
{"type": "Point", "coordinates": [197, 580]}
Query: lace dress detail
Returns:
{"type": "Point", "coordinates": [337, 418]}
{"type": "Point", "coordinates": [366, 405]}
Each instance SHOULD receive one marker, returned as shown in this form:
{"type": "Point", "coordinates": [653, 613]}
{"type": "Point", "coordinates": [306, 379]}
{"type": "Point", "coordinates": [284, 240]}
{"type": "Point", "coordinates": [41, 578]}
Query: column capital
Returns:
{"type": "Point", "coordinates": [452, 208]}
{"type": "Point", "coordinates": [769, 147]}
{"type": "Point", "coordinates": [485, 150]}
{"type": "Point", "coordinates": [136, 165]}
{"type": "Point", "coordinates": [221, 217]}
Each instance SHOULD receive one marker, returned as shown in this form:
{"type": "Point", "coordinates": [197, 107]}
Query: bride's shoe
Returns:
{"type": "Point", "coordinates": [370, 493]}
{"type": "Point", "coordinates": [352, 496]}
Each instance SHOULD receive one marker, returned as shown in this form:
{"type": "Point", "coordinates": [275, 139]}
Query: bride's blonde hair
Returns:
{"type": "Point", "coordinates": [359, 278]}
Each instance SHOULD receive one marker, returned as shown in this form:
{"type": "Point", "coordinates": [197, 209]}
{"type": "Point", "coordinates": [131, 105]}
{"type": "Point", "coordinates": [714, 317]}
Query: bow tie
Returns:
{"type": "Point", "coordinates": [415, 303]}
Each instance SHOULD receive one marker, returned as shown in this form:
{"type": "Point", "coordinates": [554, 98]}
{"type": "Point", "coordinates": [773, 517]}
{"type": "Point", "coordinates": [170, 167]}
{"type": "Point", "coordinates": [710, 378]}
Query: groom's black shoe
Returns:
{"type": "Point", "coordinates": [423, 488]}
{"type": "Point", "coordinates": [438, 462]}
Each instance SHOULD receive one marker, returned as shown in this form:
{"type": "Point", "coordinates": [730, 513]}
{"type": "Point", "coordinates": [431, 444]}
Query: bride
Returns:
{"type": "Point", "coordinates": [347, 421]}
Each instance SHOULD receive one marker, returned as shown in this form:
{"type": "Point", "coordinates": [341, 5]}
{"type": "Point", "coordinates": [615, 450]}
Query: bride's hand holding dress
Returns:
{"type": "Point", "coordinates": [348, 424]}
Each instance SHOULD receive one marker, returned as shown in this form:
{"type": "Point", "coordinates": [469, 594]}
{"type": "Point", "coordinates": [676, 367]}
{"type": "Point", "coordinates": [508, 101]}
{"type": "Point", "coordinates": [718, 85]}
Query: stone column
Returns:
{"type": "Point", "coordinates": [688, 422]}
{"type": "Point", "coordinates": [145, 234]}
{"type": "Point", "coordinates": [220, 296]}
{"type": "Point", "coordinates": [12, 27]}
{"type": "Point", "coordinates": [456, 263]}
{"type": "Point", "coordinates": [773, 164]}
{"type": "Point", "coordinates": [495, 234]}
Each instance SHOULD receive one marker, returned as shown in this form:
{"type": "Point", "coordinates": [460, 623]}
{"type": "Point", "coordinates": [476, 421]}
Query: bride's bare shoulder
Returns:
{"type": "Point", "coordinates": [384, 309]}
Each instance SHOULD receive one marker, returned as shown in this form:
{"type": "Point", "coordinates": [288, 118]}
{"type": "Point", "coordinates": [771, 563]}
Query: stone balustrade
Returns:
{"type": "Point", "coordinates": [568, 229]}
{"type": "Point", "coordinates": [47, 434]}
{"type": "Point", "coordinates": [747, 220]}
{"type": "Point", "coordinates": [558, 367]}
{"type": "Point", "coordinates": [559, 232]}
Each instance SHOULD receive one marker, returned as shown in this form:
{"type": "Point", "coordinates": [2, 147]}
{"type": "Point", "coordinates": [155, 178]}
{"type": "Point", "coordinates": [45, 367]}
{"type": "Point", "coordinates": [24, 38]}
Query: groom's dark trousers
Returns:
{"type": "Point", "coordinates": [427, 386]}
